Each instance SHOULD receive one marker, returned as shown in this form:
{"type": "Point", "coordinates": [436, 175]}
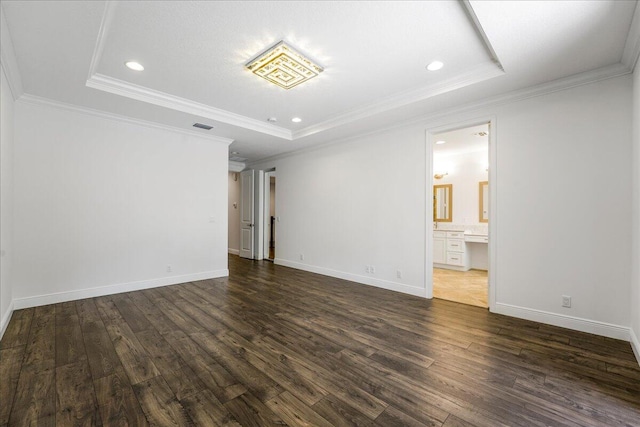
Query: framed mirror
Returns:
{"type": "Point", "coordinates": [443, 203]}
{"type": "Point", "coordinates": [483, 201]}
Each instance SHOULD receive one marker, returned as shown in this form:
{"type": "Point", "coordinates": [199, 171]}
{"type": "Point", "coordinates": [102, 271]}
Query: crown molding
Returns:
{"type": "Point", "coordinates": [468, 7]}
{"type": "Point", "coordinates": [8, 59]}
{"type": "Point", "coordinates": [105, 24]}
{"type": "Point", "coordinates": [588, 77]}
{"type": "Point", "coordinates": [236, 166]}
{"type": "Point", "coordinates": [476, 75]}
{"type": "Point", "coordinates": [40, 101]}
{"type": "Point", "coordinates": [151, 96]}
{"type": "Point", "coordinates": [632, 45]}
{"type": "Point", "coordinates": [470, 77]}
{"type": "Point", "coordinates": [105, 83]}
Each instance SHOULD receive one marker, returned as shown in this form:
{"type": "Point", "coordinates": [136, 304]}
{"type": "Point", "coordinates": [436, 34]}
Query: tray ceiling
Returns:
{"type": "Point", "coordinates": [374, 56]}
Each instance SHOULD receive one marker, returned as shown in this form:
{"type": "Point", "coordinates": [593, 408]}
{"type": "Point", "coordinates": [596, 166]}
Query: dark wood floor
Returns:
{"type": "Point", "coordinates": [276, 346]}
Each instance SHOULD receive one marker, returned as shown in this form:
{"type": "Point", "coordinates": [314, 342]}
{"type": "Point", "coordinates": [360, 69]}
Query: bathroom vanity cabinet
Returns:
{"type": "Point", "coordinates": [450, 250]}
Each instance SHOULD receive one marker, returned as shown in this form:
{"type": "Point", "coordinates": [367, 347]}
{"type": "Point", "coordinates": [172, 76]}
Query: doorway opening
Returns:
{"type": "Point", "coordinates": [460, 239]}
{"type": "Point", "coordinates": [270, 218]}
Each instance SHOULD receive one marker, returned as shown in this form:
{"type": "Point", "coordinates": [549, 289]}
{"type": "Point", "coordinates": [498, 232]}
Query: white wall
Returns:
{"type": "Point", "coordinates": [103, 206]}
{"type": "Point", "coordinates": [561, 228]}
{"type": "Point", "coordinates": [465, 171]}
{"type": "Point", "coordinates": [234, 213]}
{"type": "Point", "coordinates": [635, 260]}
{"type": "Point", "coordinates": [6, 200]}
{"type": "Point", "coordinates": [351, 205]}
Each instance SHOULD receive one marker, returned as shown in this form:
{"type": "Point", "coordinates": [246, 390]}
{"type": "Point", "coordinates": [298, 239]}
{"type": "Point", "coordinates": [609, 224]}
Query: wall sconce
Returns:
{"type": "Point", "coordinates": [440, 175]}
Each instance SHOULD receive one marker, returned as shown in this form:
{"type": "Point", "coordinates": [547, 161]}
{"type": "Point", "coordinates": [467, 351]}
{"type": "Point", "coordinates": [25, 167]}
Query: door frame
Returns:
{"type": "Point", "coordinates": [247, 178]}
{"type": "Point", "coordinates": [266, 220]}
{"type": "Point", "coordinates": [493, 211]}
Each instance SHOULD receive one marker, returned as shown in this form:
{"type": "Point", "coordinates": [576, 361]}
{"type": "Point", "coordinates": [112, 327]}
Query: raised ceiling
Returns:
{"type": "Point", "coordinates": [374, 55]}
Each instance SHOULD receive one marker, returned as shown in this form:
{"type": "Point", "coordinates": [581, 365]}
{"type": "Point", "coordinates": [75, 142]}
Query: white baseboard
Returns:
{"type": "Point", "coordinates": [234, 251]}
{"type": "Point", "coordinates": [365, 280]}
{"type": "Point", "coordinates": [55, 298]}
{"type": "Point", "coordinates": [635, 344]}
{"type": "Point", "coordinates": [4, 322]}
{"type": "Point", "coordinates": [564, 321]}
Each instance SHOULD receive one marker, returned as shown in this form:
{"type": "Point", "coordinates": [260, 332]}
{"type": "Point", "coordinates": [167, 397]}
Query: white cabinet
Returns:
{"type": "Point", "coordinates": [450, 250]}
{"type": "Point", "coordinates": [439, 247]}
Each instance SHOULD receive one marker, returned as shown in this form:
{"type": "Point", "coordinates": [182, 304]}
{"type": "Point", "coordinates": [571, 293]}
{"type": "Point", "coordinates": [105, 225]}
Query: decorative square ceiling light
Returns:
{"type": "Point", "coordinates": [284, 66]}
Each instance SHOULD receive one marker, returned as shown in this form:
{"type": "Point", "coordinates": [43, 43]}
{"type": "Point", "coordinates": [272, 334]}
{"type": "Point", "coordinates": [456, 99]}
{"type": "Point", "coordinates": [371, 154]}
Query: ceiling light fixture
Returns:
{"type": "Point", "coordinates": [441, 142]}
{"type": "Point", "coordinates": [133, 65]}
{"type": "Point", "coordinates": [296, 120]}
{"type": "Point", "coordinates": [272, 120]}
{"type": "Point", "coordinates": [440, 175]}
{"type": "Point", "coordinates": [283, 66]}
{"type": "Point", "coordinates": [435, 66]}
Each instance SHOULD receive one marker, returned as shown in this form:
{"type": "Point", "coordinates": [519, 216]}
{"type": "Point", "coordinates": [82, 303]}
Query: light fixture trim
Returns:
{"type": "Point", "coordinates": [435, 66]}
{"type": "Point", "coordinates": [296, 120]}
{"type": "Point", "coordinates": [283, 66]}
{"type": "Point", "coordinates": [134, 65]}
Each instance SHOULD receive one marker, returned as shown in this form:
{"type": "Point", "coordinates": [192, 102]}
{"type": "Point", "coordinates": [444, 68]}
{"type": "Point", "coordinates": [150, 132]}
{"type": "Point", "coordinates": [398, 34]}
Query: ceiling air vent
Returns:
{"type": "Point", "coordinates": [201, 126]}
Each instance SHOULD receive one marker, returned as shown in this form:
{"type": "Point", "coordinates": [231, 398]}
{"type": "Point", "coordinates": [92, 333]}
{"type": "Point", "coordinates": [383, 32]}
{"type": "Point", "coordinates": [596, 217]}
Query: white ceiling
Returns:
{"type": "Point", "coordinates": [461, 141]}
{"type": "Point", "coordinates": [374, 55]}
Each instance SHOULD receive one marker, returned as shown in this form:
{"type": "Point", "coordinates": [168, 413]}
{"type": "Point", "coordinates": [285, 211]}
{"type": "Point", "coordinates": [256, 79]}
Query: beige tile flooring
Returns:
{"type": "Point", "coordinates": [468, 287]}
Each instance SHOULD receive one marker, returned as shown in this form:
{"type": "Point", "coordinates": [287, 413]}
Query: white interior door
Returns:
{"type": "Point", "coordinates": [247, 179]}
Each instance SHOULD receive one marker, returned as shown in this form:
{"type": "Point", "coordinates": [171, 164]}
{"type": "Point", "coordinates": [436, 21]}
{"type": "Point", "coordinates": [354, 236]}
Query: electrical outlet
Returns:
{"type": "Point", "coordinates": [301, 257]}
{"type": "Point", "coordinates": [399, 274]}
{"type": "Point", "coordinates": [366, 269]}
{"type": "Point", "coordinates": [373, 270]}
{"type": "Point", "coordinates": [566, 301]}
{"type": "Point", "coordinates": [169, 269]}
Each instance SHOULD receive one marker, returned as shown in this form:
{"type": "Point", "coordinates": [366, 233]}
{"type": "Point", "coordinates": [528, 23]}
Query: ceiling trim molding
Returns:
{"type": "Point", "coordinates": [576, 80]}
{"type": "Point", "coordinates": [632, 45]}
{"type": "Point", "coordinates": [105, 24]}
{"type": "Point", "coordinates": [162, 99]}
{"type": "Point", "coordinates": [105, 83]}
{"type": "Point", "coordinates": [470, 77]}
{"type": "Point", "coordinates": [236, 166]}
{"type": "Point", "coordinates": [8, 59]}
{"type": "Point", "coordinates": [481, 33]}
{"type": "Point", "coordinates": [40, 101]}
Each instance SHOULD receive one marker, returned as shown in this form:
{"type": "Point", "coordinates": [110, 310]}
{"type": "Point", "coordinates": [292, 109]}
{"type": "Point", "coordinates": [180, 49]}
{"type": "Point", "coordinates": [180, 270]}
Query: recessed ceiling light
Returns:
{"type": "Point", "coordinates": [283, 66]}
{"type": "Point", "coordinates": [272, 119]}
{"type": "Point", "coordinates": [296, 120]}
{"type": "Point", "coordinates": [133, 65]}
{"type": "Point", "coordinates": [435, 66]}
{"type": "Point", "coordinates": [440, 142]}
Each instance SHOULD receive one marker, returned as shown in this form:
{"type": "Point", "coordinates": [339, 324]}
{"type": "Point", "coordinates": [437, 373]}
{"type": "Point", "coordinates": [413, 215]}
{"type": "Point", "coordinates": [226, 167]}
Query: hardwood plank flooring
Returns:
{"type": "Point", "coordinates": [275, 346]}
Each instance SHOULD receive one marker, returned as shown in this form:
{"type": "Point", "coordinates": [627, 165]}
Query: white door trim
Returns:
{"type": "Point", "coordinates": [247, 215]}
